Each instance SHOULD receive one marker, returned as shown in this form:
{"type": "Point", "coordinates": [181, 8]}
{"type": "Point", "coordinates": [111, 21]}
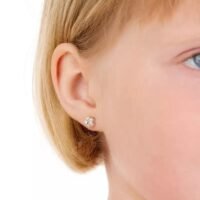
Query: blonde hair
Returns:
{"type": "Point", "coordinates": [86, 24]}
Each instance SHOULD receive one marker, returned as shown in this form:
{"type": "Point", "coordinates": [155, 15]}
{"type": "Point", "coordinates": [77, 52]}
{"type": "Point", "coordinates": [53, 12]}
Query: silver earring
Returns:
{"type": "Point", "coordinates": [89, 121]}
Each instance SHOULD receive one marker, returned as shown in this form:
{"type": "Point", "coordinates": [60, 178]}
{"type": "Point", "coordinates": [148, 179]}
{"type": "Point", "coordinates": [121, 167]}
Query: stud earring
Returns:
{"type": "Point", "coordinates": [89, 121]}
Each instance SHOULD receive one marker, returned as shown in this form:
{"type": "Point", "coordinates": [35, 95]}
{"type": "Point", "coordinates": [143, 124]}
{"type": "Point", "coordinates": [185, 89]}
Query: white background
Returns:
{"type": "Point", "coordinates": [29, 167]}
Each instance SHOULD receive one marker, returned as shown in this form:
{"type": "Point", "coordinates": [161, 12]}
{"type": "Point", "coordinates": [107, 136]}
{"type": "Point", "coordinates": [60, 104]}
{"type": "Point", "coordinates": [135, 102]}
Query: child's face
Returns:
{"type": "Point", "coordinates": [150, 106]}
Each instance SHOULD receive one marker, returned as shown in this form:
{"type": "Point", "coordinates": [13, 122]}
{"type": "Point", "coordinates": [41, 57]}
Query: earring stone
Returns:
{"type": "Point", "coordinates": [89, 121]}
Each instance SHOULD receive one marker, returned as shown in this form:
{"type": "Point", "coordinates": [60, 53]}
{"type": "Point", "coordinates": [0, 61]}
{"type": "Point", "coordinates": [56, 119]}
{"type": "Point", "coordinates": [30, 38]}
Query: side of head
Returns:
{"type": "Point", "coordinates": [115, 60]}
{"type": "Point", "coordinates": [81, 29]}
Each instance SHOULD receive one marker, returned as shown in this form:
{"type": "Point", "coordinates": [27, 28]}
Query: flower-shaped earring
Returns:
{"type": "Point", "coordinates": [89, 121]}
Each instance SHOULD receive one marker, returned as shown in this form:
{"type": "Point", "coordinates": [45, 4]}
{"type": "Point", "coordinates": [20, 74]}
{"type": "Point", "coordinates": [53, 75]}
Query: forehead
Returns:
{"type": "Point", "coordinates": [181, 28]}
{"type": "Point", "coordinates": [183, 25]}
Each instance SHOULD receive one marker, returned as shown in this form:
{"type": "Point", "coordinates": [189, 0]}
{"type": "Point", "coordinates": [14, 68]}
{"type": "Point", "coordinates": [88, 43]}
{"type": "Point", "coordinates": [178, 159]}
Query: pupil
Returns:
{"type": "Point", "coordinates": [197, 60]}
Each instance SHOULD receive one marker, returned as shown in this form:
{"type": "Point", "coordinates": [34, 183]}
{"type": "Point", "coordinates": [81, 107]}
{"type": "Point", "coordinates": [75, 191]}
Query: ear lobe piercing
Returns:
{"type": "Point", "coordinates": [89, 121]}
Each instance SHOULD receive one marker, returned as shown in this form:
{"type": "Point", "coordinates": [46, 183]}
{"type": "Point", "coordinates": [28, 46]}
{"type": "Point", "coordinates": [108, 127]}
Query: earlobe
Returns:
{"type": "Point", "coordinates": [70, 84]}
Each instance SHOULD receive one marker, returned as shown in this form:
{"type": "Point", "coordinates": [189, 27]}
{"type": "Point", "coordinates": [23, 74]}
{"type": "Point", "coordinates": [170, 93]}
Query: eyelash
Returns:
{"type": "Point", "coordinates": [190, 58]}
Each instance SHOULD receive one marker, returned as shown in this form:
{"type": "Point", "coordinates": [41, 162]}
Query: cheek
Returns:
{"type": "Point", "coordinates": [154, 131]}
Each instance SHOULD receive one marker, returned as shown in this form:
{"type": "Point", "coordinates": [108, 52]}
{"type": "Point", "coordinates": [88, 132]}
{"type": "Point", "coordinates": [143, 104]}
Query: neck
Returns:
{"type": "Point", "coordinates": [119, 188]}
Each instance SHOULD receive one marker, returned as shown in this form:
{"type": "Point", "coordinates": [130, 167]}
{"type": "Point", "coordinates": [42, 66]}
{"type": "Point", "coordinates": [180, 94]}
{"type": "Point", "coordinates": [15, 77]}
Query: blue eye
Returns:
{"type": "Point", "coordinates": [194, 61]}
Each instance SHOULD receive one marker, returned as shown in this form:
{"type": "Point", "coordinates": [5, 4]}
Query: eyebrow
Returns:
{"type": "Point", "coordinates": [191, 39]}
{"type": "Point", "coordinates": [176, 50]}
{"type": "Point", "coordinates": [188, 44]}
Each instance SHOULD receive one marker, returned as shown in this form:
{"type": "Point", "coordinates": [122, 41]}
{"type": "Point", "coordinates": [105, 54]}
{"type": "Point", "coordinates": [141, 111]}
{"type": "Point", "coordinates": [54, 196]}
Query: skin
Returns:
{"type": "Point", "coordinates": [146, 100]}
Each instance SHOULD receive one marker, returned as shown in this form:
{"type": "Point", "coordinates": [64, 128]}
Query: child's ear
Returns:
{"type": "Point", "coordinates": [68, 71]}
